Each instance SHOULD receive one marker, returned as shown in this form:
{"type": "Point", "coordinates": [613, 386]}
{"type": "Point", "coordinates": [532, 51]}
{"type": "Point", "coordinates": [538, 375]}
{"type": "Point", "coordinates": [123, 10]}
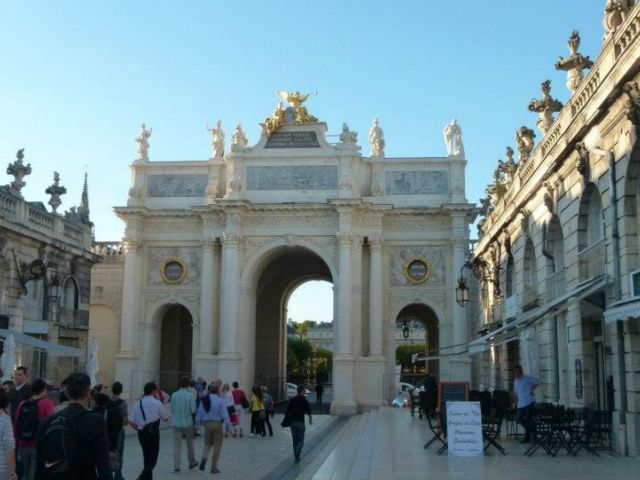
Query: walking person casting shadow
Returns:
{"type": "Point", "coordinates": [294, 418]}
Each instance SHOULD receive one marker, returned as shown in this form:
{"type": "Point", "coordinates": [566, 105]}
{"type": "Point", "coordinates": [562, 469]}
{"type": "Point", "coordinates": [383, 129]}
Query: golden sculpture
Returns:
{"type": "Point", "coordinates": [294, 113]}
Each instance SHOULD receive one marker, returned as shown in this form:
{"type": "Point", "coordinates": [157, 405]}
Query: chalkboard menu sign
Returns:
{"type": "Point", "coordinates": [451, 392]}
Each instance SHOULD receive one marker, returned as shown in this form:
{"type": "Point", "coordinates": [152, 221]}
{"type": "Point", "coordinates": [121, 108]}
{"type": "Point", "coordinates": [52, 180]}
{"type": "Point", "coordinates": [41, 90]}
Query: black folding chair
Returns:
{"type": "Point", "coordinates": [491, 428]}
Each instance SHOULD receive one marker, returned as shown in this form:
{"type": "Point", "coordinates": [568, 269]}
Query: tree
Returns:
{"type": "Point", "coordinates": [300, 349]}
{"type": "Point", "coordinates": [404, 352]}
{"type": "Point", "coordinates": [303, 328]}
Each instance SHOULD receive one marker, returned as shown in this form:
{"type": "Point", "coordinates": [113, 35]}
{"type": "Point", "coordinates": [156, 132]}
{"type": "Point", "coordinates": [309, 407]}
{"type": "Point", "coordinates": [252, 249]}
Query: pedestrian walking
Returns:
{"type": "Point", "coordinates": [108, 410]}
{"type": "Point", "coordinates": [258, 413]}
{"type": "Point", "coordinates": [183, 406]}
{"type": "Point", "coordinates": [296, 408]}
{"type": "Point", "coordinates": [240, 402]}
{"type": "Point", "coordinates": [73, 444]}
{"type": "Point", "coordinates": [21, 390]}
{"type": "Point", "coordinates": [228, 402]}
{"type": "Point", "coordinates": [7, 442]}
{"type": "Point", "coordinates": [145, 418]}
{"type": "Point", "coordinates": [269, 409]}
{"type": "Point", "coordinates": [116, 390]}
{"type": "Point", "coordinates": [213, 415]}
{"type": "Point", "coordinates": [29, 415]}
{"type": "Point", "coordinates": [524, 387]}
{"type": "Point", "coordinates": [319, 393]}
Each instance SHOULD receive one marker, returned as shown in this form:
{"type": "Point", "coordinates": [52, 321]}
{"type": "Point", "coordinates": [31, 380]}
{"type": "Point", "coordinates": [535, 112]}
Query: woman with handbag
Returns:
{"type": "Point", "coordinates": [258, 413]}
{"type": "Point", "coordinates": [7, 441]}
{"type": "Point", "coordinates": [228, 402]}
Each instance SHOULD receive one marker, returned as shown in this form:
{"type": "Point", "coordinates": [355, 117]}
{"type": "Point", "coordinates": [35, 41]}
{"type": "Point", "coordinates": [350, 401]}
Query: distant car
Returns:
{"type": "Point", "coordinates": [292, 390]}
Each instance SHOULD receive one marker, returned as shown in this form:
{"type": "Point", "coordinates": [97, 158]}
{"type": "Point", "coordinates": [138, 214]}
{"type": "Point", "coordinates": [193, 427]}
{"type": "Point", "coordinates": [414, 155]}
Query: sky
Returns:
{"type": "Point", "coordinates": [78, 78]}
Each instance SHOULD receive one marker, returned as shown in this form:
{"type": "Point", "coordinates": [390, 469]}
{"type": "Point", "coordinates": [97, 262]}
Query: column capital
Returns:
{"type": "Point", "coordinates": [208, 244]}
{"type": "Point", "coordinates": [231, 239]}
{"type": "Point", "coordinates": [376, 243]}
{"type": "Point", "coordinates": [131, 246]}
{"type": "Point", "coordinates": [344, 239]}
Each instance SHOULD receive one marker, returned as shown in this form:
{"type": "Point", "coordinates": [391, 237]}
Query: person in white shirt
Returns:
{"type": "Point", "coordinates": [524, 387]}
{"type": "Point", "coordinates": [145, 417]}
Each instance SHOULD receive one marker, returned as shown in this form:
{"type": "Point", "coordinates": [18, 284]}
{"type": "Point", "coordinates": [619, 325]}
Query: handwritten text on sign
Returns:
{"type": "Point", "coordinates": [464, 429]}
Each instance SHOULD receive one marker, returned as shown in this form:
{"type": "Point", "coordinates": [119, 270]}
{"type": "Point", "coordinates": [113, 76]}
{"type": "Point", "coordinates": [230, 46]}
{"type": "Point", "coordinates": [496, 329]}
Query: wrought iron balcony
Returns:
{"type": "Point", "coordinates": [556, 285]}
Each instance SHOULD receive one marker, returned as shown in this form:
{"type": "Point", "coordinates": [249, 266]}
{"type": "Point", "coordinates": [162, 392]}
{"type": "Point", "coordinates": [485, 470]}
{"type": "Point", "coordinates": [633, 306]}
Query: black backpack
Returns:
{"type": "Point", "coordinates": [61, 445]}
{"type": "Point", "coordinates": [28, 420]}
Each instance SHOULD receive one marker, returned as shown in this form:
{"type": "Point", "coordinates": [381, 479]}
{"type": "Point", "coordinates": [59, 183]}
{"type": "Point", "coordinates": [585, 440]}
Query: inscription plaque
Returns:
{"type": "Point", "coordinates": [176, 185]}
{"type": "Point", "coordinates": [295, 177]}
{"type": "Point", "coordinates": [416, 182]}
{"type": "Point", "coordinates": [293, 140]}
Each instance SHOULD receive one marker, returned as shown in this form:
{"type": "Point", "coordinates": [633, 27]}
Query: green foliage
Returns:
{"type": "Point", "coordinates": [404, 352]}
{"type": "Point", "coordinates": [301, 349]}
{"type": "Point", "coordinates": [326, 365]}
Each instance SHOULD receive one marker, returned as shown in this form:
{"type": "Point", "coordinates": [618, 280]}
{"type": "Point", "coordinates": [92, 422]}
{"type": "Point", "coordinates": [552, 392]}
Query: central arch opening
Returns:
{"type": "Point", "coordinates": [288, 269]}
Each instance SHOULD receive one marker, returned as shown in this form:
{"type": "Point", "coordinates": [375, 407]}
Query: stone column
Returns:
{"type": "Point", "coordinates": [207, 297]}
{"type": "Point", "coordinates": [130, 297]}
{"type": "Point", "coordinates": [343, 378]}
{"type": "Point", "coordinates": [574, 341]}
{"type": "Point", "coordinates": [230, 276]}
{"type": "Point", "coordinates": [343, 340]}
{"type": "Point", "coordinates": [375, 298]}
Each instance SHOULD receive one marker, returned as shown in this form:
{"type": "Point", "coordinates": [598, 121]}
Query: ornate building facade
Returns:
{"type": "Point", "coordinates": [214, 248]}
{"type": "Point", "coordinates": [558, 249]}
{"type": "Point", "coordinates": [45, 265]}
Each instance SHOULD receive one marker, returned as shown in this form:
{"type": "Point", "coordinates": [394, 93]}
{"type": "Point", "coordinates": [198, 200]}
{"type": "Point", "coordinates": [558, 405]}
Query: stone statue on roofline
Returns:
{"type": "Point", "coordinates": [524, 142]}
{"type": "Point", "coordinates": [143, 143]}
{"type": "Point", "coordinates": [295, 101]}
{"type": "Point", "coordinates": [574, 63]}
{"type": "Point", "coordinates": [239, 141]}
{"type": "Point", "coordinates": [615, 13]}
{"type": "Point", "coordinates": [453, 139]}
{"type": "Point", "coordinates": [217, 140]}
{"type": "Point", "coordinates": [19, 170]}
{"type": "Point", "coordinates": [545, 107]}
{"type": "Point", "coordinates": [56, 191]}
{"type": "Point", "coordinates": [509, 167]}
{"type": "Point", "coordinates": [347, 137]}
{"type": "Point", "coordinates": [376, 139]}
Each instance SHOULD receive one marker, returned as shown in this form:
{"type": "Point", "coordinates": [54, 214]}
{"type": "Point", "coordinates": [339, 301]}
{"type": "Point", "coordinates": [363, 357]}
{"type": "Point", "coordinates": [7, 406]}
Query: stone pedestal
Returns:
{"type": "Point", "coordinates": [127, 373]}
{"type": "Point", "coordinates": [229, 368]}
{"type": "Point", "coordinates": [343, 402]}
{"type": "Point", "coordinates": [205, 365]}
{"type": "Point", "coordinates": [370, 382]}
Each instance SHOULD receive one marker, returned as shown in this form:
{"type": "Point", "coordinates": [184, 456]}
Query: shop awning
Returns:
{"type": "Point", "coordinates": [50, 348]}
{"type": "Point", "coordinates": [511, 330]}
{"type": "Point", "coordinates": [622, 311]}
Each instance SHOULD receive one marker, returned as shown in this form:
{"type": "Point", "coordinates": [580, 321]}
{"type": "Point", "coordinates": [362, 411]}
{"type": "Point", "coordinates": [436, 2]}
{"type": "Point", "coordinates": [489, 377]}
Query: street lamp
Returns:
{"type": "Point", "coordinates": [405, 330]}
{"type": "Point", "coordinates": [462, 291]}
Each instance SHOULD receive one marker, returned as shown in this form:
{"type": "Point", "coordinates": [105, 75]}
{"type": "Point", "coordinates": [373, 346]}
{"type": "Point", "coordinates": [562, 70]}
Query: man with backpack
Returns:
{"type": "Point", "coordinates": [72, 444]}
{"type": "Point", "coordinates": [108, 410]}
{"type": "Point", "coordinates": [145, 418]}
{"type": "Point", "coordinates": [20, 391]}
{"type": "Point", "coordinates": [29, 414]}
{"type": "Point", "coordinates": [116, 390]}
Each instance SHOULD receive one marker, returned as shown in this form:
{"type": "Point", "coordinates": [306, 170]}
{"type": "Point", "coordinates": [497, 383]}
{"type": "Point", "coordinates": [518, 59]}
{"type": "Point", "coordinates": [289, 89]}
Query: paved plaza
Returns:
{"type": "Point", "coordinates": [381, 444]}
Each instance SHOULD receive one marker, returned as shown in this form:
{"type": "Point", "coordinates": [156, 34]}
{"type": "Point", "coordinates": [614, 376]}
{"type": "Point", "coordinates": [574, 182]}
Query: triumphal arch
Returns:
{"type": "Point", "coordinates": [214, 248]}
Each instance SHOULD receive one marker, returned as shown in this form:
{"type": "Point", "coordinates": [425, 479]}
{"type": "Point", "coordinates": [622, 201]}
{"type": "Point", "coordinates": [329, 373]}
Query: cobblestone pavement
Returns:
{"type": "Point", "coordinates": [243, 458]}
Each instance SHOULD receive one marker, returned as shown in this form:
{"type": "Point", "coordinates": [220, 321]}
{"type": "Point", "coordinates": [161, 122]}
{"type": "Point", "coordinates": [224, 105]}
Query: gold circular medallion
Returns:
{"type": "Point", "coordinates": [417, 270]}
{"type": "Point", "coordinates": [173, 271]}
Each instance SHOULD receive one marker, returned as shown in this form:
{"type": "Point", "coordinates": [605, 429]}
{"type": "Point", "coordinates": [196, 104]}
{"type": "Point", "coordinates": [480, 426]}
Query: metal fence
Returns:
{"type": "Point", "coordinates": [556, 285]}
{"type": "Point", "coordinates": [592, 261]}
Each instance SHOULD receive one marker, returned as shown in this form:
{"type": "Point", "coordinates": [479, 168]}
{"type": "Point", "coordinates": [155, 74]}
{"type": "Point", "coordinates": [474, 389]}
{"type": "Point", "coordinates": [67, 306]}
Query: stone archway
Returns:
{"type": "Point", "coordinates": [176, 338]}
{"type": "Point", "coordinates": [287, 268]}
{"type": "Point", "coordinates": [419, 312]}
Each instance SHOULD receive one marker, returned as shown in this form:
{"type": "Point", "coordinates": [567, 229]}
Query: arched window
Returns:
{"type": "Point", "coordinates": [70, 301]}
{"type": "Point", "coordinates": [510, 277]}
{"type": "Point", "coordinates": [554, 252]}
{"type": "Point", "coordinates": [591, 252]}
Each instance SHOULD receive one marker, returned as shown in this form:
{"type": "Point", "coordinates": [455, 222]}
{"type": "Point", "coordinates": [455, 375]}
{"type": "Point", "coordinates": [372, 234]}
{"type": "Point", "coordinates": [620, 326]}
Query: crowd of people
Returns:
{"type": "Point", "coordinates": [85, 439]}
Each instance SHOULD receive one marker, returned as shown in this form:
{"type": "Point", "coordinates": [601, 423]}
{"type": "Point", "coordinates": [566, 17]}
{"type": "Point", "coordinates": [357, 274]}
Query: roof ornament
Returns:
{"type": "Point", "coordinates": [19, 170]}
{"type": "Point", "coordinates": [574, 63]}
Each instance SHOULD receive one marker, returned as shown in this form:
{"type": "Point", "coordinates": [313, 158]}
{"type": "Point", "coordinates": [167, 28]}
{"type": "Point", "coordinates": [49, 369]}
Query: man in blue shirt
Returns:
{"type": "Point", "coordinates": [183, 406]}
{"type": "Point", "coordinates": [212, 413]}
{"type": "Point", "coordinates": [524, 387]}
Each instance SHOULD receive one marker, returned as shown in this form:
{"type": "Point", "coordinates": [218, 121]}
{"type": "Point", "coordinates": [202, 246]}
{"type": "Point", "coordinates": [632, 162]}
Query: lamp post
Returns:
{"type": "Point", "coordinates": [405, 330]}
{"type": "Point", "coordinates": [462, 290]}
